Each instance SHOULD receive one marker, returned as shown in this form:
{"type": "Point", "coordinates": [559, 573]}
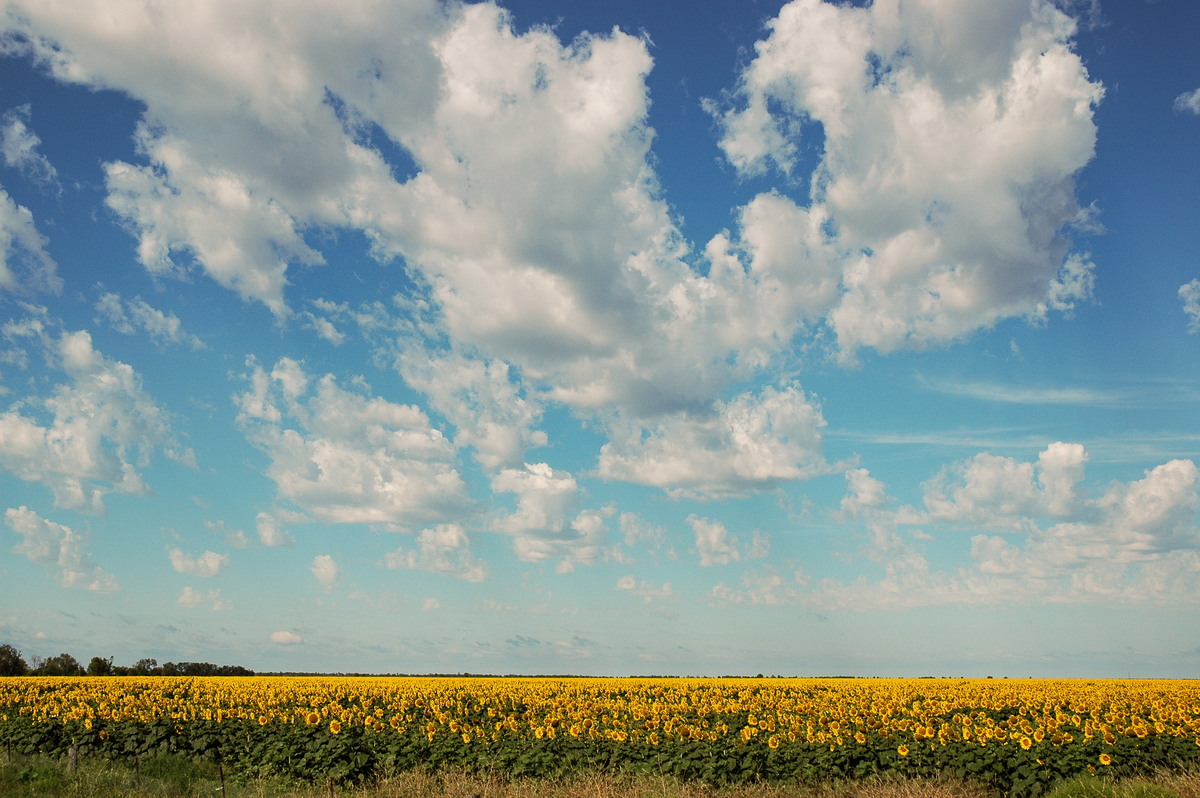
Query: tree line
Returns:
{"type": "Point", "coordinates": [13, 664]}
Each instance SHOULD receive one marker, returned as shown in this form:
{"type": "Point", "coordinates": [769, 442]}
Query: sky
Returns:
{"type": "Point", "coordinates": [605, 338]}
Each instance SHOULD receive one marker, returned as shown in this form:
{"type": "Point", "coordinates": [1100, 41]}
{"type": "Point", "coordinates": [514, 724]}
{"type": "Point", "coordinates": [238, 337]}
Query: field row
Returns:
{"type": "Point", "coordinates": [1019, 735]}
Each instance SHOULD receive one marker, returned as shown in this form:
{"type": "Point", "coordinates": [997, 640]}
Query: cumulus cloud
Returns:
{"type": "Point", "coordinates": [206, 566]}
{"type": "Point", "coordinates": [327, 572]}
{"type": "Point", "coordinates": [519, 175]}
{"type": "Point", "coordinates": [1188, 102]}
{"type": "Point", "coordinates": [952, 135]}
{"type": "Point", "coordinates": [270, 533]}
{"type": "Point", "coordinates": [19, 148]}
{"type": "Point", "coordinates": [25, 265]}
{"type": "Point", "coordinates": [285, 638]}
{"type": "Point", "coordinates": [1040, 535]}
{"type": "Point", "coordinates": [190, 597]}
{"type": "Point", "coordinates": [345, 457]}
{"type": "Point", "coordinates": [61, 548]}
{"type": "Point", "coordinates": [750, 443]}
{"type": "Point", "coordinates": [1003, 493]}
{"type": "Point", "coordinates": [547, 521]}
{"type": "Point", "coordinates": [100, 425]}
{"type": "Point", "coordinates": [716, 546]}
{"type": "Point", "coordinates": [531, 185]}
{"type": "Point", "coordinates": [444, 549]}
{"type": "Point", "coordinates": [130, 316]}
{"type": "Point", "coordinates": [481, 399]}
{"type": "Point", "coordinates": [1189, 294]}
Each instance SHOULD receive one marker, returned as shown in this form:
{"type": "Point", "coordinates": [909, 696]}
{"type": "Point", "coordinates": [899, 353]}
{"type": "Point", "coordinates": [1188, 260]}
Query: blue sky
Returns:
{"type": "Point", "coordinates": [603, 338]}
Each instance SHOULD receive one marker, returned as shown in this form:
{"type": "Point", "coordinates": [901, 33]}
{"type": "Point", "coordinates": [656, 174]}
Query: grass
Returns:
{"type": "Point", "coordinates": [170, 776]}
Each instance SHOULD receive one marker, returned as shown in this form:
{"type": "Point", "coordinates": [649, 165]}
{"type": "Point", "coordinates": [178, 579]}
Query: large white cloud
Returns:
{"type": "Point", "coordinates": [481, 399]}
{"type": "Point", "coordinates": [58, 546]}
{"type": "Point", "coordinates": [519, 191]}
{"type": "Point", "coordinates": [951, 136]}
{"type": "Point", "coordinates": [532, 214]}
{"type": "Point", "coordinates": [750, 443]}
{"type": "Point", "coordinates": [547, 521]}
{"type": "Point", "coordinates": [345, 457]}
{"type": "Point", "coordinates": [94, 432]}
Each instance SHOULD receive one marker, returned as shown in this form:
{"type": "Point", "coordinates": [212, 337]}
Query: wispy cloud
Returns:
{"type": "Point", "coordinates": [1031, 395]}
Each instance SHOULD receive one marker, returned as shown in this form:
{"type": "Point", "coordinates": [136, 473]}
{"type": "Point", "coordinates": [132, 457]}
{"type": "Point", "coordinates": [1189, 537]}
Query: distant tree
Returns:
{"type": "Point", "coordinates": [100, 667]}
{"type": "Point", "coordinates": [234, 670]}
{"type": "Point", "coordinates": [62, 665]}
{"type": "Point", "coordinates": [145, 667]}
{"type": "Point", "coordinates": [11, 662]}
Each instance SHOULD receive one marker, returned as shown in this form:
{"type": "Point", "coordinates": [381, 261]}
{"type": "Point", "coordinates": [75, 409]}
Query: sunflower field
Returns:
{"type": "Point", "coordinates": [1019, 736]}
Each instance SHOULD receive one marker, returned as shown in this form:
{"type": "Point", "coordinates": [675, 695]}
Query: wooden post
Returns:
{"type": "Point", "coordinates": [72, 759]}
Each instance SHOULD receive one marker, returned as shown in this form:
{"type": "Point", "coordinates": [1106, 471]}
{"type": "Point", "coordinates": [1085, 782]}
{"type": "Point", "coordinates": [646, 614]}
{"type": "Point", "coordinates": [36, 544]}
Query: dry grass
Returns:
{"type": "Point", "coordinates": [461, 785]}
{"type": "Point", "coordinates": [1185, 785]}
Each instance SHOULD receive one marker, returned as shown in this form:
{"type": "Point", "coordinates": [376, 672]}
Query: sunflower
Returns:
{"type": "Point", "coordinates": [1105, 759]}
{"type": "Point", "coordinates": [312, 719]}
{"type": "Point", "coordinates": [902, 750]}
{"type": "Point", "coordinates": [335, 726]}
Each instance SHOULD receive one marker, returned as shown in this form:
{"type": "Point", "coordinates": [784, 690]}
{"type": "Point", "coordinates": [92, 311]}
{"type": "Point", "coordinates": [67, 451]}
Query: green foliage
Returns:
{"type": "Point", "coordinates": [356, 753]}
{"type": "Point", "coordinates": [11, 662]}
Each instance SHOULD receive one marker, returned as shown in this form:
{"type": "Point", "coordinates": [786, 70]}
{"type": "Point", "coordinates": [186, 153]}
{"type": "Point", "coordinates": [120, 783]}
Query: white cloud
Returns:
{"type": "Point", "coordinates": [582, 235]}
{"type": "Point", "coordinates": [547, 521]}
{"type": "Point", "coordinates": [1189, 102]}
{"type": "Point", "coordinates": [951, 136]}
{"type": "Point", "coordinates": [444, 549]}
{"type": "Point", "coordinates": [765, 587]}
{"type": "Point", "coordinates": [286, 638]}
{"type": "Point", "coordinates": [242, 240]}
{"type": "Point", "coordinates": [481, 400]}
{"type": "Point", "coordinates": [101, 428]}
{"type": "Point", "coordinates": [226, 127]}
{"type": "Point", "coordinates": [430, 604]}
{"type": "Point", "coordinates": [1051, 541]}
{"type": "Point", "coordinates": [270, 533]}
{"type": "Point", "coordinates": [129, 316]}
{"type": "Point", "coordinates": [1189, 294]}
{"type": "Point", "coordinates": [58, 546]}
{"type": "Point", "coordinates": [190, 597]}
{"type": "Point", "coordinates": [1001, 493]}
{"type": "Point", "coordinates": [864, 493]}
{"type": "Point", "coordinates": [327, 572]}
{"type": "Point", "coordinates": [546, 498]}
{"type": "Point", "coordinates": [716, 546]}
{"type": "Point", "coordinates": [750, 443]}
{"type": "Point", "coordinates": [25, 266]}
{"type": "Point", "coordinates": [648, 591]}
{"type": "Point", "coordinates": [206, 566]}
{"type": "Point", "coordinates": [234, 537]}
{"type": "Point", "coordinates": [349, 458]}
{"type": "Point", "coordinates": [19, 148]}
